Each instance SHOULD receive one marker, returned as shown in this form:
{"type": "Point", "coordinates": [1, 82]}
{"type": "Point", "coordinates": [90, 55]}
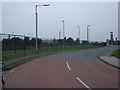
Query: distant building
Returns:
{"type": "Point", "coordinates": [111, 38]}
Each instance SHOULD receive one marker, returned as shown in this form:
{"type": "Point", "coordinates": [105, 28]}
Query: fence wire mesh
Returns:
{"type": "Point", "coordinates": [14, 46]}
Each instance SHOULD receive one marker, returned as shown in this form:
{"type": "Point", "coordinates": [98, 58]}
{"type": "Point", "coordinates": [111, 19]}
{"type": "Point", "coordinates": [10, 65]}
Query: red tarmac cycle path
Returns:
{"type": "Point", "coordinates": [45, 73]}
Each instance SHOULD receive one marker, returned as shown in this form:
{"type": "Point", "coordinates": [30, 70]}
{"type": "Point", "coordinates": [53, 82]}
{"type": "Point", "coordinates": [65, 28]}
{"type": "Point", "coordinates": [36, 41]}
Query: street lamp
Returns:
{"type": "Point", "coordinates": [63, 29]}
{"type": "Point", "coordinates": [79, 33]}
{"type": "Point", "coordinates": [111, 38]}
{"type": "Point", "coordinates": [63, 32]}
{"type": "Point", "coordinates": [12, 39]}
{"type": "Point", "coordinates": [36, 13]}
{"type": "Point", "coordinates": [88, 33]}
{"type": "Point", "coordinates": [59, 35]}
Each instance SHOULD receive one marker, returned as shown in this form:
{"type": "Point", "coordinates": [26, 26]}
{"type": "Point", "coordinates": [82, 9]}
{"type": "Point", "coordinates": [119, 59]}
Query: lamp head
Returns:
{"type": "Point", "coordinates": [88, 25]}
{"type": "Point", "coordinates": [46, 5]}
{"type": "Point", "coordinates": [43, 5]}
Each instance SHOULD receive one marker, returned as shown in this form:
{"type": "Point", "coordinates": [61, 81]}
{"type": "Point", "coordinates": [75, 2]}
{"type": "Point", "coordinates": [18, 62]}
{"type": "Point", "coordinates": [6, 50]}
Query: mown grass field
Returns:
{"type": "Point", "coordinates": [7, 55]}
{"type": "Point", "coordinates": [116, 53]}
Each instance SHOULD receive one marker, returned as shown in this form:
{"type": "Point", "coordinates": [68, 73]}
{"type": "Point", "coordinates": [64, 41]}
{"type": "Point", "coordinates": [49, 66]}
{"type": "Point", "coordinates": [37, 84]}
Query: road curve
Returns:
{"type": "Point", "coordinates": [80, 69]}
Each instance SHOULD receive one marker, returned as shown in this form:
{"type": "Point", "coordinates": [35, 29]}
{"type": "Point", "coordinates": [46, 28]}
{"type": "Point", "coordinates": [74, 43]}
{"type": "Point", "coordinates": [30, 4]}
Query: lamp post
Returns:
{"type": "Point", "coordinates": [88, 33]}
{"type": "Point", "coordinates": [63, 32]}
{"type": "Point", "coordinates": [36, 13]}
{"type": "Point", "coordinates": [79, 33]}
{"type": "Point", "coordinates": [59, 35]}
{"type": "Point", "coordinates": [12, 39]}
{"type": "Point", "coordinates": [111, 37]}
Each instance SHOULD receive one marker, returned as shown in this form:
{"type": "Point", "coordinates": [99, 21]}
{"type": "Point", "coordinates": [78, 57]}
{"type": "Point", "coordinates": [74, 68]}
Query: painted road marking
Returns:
{"type": "Point", "coordinates": [68, 66]}
{"type": "Point", "coordinates": [83, 83]}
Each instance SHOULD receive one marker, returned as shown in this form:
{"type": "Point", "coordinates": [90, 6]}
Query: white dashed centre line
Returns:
{"type": "Point", "coordinates": [68, 66]}
{"type": "Point", "coordinates": [83, 83]}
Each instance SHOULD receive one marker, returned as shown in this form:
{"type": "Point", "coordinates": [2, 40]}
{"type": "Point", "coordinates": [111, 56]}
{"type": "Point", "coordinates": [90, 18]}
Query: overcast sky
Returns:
{"type": "Point", "coordinates": [103, 16]}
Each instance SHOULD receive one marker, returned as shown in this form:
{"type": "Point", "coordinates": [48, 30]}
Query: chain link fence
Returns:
{"type": "Point", "coordinates": [14, 46]}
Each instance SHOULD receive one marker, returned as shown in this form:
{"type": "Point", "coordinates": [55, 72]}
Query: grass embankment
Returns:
{"type": "Point", "coordinates": [6, 55]}
{"type": "Point", "coordinates": [116, 53]}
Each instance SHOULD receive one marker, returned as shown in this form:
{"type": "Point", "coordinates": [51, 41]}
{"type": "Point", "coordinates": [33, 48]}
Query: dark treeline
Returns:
{"type": "Point", "coordinates": [16, 43]}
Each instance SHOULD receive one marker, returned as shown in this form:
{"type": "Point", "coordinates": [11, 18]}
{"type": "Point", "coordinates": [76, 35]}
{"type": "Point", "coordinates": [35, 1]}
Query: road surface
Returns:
{"type": "Point", "coordinates": [76, 69]}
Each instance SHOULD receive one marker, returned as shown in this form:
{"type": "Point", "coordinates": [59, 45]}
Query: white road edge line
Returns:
{"type": "Point", "coordinates": [83, 83]}
{"type": "Point", "coordinates": [68, 66]}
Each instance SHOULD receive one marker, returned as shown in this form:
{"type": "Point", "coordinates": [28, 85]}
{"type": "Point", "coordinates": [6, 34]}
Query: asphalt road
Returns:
{"type": "Point", "coordinates": [76, 69]}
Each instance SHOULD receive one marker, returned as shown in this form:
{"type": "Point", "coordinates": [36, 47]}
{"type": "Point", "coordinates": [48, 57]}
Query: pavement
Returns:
{"type": "Point", "coordinates": [111, 60]}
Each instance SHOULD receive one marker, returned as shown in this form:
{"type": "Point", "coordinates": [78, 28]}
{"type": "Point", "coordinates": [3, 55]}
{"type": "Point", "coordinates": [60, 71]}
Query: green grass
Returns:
{"type": "Point", "coordinates": [17, 51]}
{"type": "Point", "coordinates": [116, 53]}
{"type": "Point", "coordinates": [6, 55]}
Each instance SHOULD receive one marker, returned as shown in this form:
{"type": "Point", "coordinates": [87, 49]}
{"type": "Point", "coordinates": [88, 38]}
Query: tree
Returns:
{"type": "Point", "coordinates": [77, 41]}
{"type": "Point", "coordinates": [39, 42]}
{"type": "Point", "coordinates": [27, 42]}
{"type": "Point", "coordinates": [6, 44]}
{"type": "Point", "coordinates": [33, 42]}
{"type": "Point", "coordinates": [54, 41]}
{"type": "Point", "coordinates": [84, 42]}
{"type": "Point", "coordinates": [70, 41]}
{"type": "Point", "coordinates": [59, 42]}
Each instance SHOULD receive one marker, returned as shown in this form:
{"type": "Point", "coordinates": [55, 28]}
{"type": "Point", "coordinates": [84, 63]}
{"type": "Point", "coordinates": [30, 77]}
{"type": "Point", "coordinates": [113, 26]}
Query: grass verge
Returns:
{"type": "Point", "coordinates": [116, 53]}
{"type": "Point", "coordinates": [7, 55]}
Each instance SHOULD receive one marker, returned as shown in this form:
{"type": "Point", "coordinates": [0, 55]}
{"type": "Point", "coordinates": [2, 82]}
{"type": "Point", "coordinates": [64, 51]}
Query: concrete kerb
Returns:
{"type": "Point", "coordinates": [109, 63]}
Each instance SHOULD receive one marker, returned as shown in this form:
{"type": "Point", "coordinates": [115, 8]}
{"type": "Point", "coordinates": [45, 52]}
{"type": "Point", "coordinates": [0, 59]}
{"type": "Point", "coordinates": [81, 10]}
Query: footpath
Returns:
{"type": "Point", "coordinates": [111, 60]}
